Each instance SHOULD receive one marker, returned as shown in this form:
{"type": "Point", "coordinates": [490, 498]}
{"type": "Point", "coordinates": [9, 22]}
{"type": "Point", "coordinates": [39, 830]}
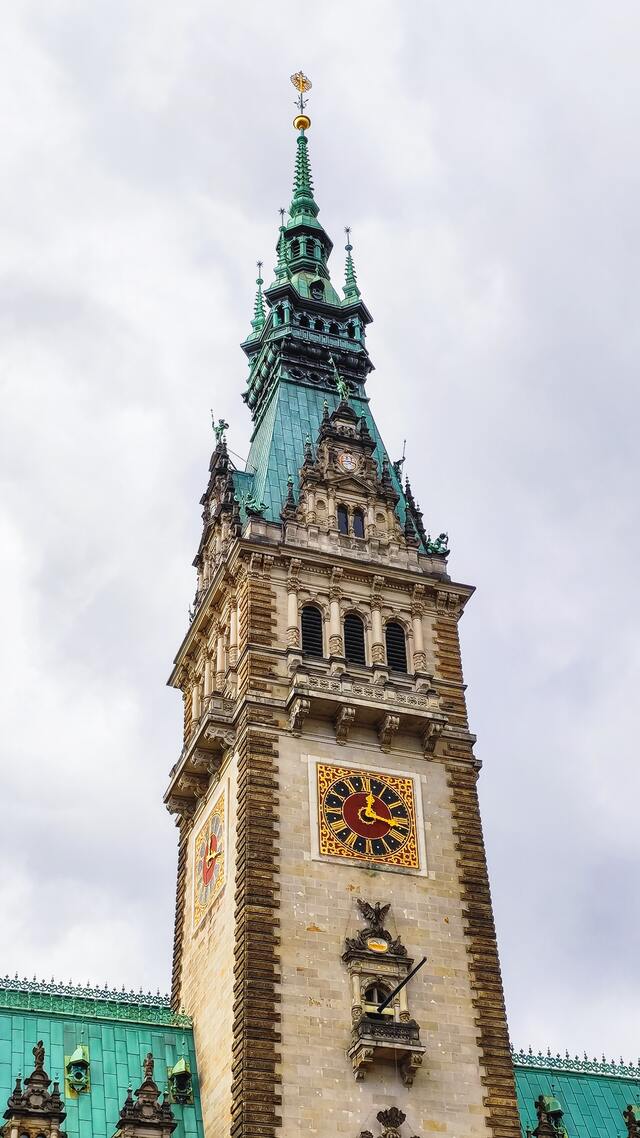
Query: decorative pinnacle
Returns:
{"type": "Point", "coordinates": [258, 309]}
{"type": "Point", "coordinates": [350, 290]}
{"type": "Point", "coordinates": [281, 248]}
{"type": "Point", "coordinates": [302, 85]}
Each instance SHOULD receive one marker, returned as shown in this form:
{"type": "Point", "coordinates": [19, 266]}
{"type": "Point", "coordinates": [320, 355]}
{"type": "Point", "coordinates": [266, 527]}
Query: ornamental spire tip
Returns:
{"type": "Point", "coordinates": [302, 84]}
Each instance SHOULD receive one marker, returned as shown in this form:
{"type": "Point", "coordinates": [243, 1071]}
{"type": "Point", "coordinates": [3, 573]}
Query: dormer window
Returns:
{"type": "Point", "coordinates": [316, 290]}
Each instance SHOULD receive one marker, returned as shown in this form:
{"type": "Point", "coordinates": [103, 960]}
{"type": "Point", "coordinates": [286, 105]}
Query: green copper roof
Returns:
{"type": "Point", "coordinates": [116, 1050]}
{"type": "Point", "coordinates": [277, 449]}
{"type": "Point", "coordinates": [591, 1094]}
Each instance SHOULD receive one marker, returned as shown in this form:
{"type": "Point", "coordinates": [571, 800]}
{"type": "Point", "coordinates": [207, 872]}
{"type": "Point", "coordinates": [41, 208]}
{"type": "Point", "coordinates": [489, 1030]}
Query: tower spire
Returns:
{"type": "Point", "coordinates": [350, 290]}
{"type": "Point", "coordinates": [302, 200]}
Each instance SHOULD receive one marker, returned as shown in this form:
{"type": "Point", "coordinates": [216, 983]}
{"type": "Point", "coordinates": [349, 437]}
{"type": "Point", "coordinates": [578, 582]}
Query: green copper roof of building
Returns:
{"type": "Point", "coordinates": [118, 1028]}
{"type": "Point", "coordinates": [592, 1093]}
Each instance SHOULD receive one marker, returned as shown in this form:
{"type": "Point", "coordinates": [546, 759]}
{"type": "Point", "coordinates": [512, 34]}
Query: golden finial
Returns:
{"type": "Point", "coordinates": [302, 85]}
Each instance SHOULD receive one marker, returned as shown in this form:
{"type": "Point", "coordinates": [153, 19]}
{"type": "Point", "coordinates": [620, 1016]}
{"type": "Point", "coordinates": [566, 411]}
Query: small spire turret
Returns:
{"type": "Point", "coordinates": [259, 315]}
{"type": "Point", "coordinates": [350, 290]}
{"type": "Point", "coordinates": [281, 249]}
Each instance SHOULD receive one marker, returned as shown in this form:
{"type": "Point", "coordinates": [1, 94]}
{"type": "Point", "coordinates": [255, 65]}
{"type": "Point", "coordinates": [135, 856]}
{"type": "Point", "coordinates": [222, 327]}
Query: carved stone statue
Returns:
{"type": "Point", "coordinates": [38, 1055]}
{"type": "Point", "coordinates": [147, 1066]}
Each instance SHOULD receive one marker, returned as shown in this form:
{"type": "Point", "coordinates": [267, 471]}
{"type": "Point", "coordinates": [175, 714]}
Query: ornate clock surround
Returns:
{"type": "Point", "coordinates": [210, 856]}
{"type": "Point", "coordinates": [409, 856]}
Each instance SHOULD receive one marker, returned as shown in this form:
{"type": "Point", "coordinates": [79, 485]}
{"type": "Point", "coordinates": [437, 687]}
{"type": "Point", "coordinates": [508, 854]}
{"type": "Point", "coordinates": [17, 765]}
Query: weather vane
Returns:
{"type": "Point", "coordinates": [302, 85]}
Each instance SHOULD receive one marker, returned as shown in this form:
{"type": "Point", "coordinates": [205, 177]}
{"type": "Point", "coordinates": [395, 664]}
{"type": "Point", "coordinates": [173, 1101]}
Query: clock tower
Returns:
{"type": "Point", "coordinates": [325, 795]}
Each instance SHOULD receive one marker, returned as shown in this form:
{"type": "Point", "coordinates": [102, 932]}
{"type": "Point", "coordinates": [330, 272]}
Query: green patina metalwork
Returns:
{"type": "Point", "coordinates": [92, 1003]}
{"type": "Point", "coordinates": [117, 1030]}
{"type": "Point", "coordinates": [590, 1093]}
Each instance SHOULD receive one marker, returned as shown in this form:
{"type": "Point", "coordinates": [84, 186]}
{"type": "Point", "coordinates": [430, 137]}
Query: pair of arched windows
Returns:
{"type": "Point", "coordinates": [354, 639]}
{"type": "Point", "coordinates": [357, 521]}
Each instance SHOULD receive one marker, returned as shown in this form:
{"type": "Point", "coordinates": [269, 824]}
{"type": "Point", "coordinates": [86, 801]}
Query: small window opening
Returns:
{"type": "Point", "coordinates": [295, 248]}
{"type": "Point", "coordinates": [351, 332]}
{"type": "Point", "coordinates": [305, 322]}
{"type": "Point", "coordinates": [358, 523]}
{"type": "Point", "coordinates": [354, 639]}
{"type": "Point", "coordinates": [311, 631]}
{"type": "Point", "coordinates": [373, 997]}
{"type": "Point", "coordinates": [343, 519]}
{"type": "Point", "coordinates": [333, 328]}
{"type": "Point", "coordinates": [311, 249]}
{"type": "Point", "coordinates": [396, 646]}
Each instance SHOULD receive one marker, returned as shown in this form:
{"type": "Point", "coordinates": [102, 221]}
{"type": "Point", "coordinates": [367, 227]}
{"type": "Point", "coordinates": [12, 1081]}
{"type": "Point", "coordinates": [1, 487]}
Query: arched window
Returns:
{"type": "Point", "coordinates": [305, 322]}
{"type": "Point", "coordinates": [311, 249]}
{"type": "Point", "coordinates": [333, 328]}
{"type": "Point", "coordinates": [354, 639]}
{"type": "Point", "coordinates": [396, 646]}
{"type": "Point", "coordinates": [311, 631]}
{"type": "Point", "coordinates": [319, 326]}
{"type": "Point", "coordinates": [295, 248]}
{"type": "Point", "coordinates": [358, 523]}
{"type": "Point", "coordinates": [343, 519]}
{"type": "Point", "coordinates": [374, 995]}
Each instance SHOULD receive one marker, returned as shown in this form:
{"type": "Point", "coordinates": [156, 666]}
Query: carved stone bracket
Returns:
{"type": "Point", "coordinates": [387, 728]}
{"type": "Point", "coordinates": [300, 709]}
{"type": "Point", "coordinates": [430, 736]}
{"type": "Point", "coordinates": [183, 807]}
{"type": "Point", "coordinates": [344, 722]}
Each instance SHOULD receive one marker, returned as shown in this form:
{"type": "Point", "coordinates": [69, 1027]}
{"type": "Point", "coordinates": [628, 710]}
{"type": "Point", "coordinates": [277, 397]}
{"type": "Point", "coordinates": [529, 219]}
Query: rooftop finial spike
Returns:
{"type": "Point", "coordinates": [258, 309]}
{"type": "Point", "coordinates": [350, 290]}
{"type": "Point", "coordinates": [302, 85]}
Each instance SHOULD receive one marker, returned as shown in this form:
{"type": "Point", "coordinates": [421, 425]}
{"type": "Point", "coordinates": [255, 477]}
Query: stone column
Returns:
{"type": "Point", "coordinates": [233, 633]}
{"type": "Point", "coordinates": [293, 586]}
{"type": "Point", "coordinates": [195, 701]}
{"type": "Point", "coordinates": [220, 658]}
{"type": "Point", "coordinates": [207, 674]}
{"type": "Point", "coordinates": [417, 610]}
{"type": "Point", "coordinates": [377, 638]}
{"type": "Point", "coordinates": [335, 623]}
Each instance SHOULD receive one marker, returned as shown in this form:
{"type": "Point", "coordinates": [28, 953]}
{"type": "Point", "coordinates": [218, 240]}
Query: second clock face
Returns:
{"type": "Point", "coordinates": [209, 863]}
{"type": "Point", "coordinates": [367, 816]}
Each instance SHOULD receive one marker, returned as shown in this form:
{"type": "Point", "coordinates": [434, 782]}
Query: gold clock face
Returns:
{"type": "Point", "coordinates": [367, 816]}
{"type": "Point", "coordinates": [209, 861]}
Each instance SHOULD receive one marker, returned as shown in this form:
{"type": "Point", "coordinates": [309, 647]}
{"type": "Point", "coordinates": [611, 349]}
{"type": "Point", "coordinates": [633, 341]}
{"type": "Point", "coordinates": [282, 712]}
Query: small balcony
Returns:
{"type": "Point", "coordinates": [379, 1037]}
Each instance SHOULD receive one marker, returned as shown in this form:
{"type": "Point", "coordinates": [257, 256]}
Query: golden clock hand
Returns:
{"type": "Point", "coordinates": [369, 811]}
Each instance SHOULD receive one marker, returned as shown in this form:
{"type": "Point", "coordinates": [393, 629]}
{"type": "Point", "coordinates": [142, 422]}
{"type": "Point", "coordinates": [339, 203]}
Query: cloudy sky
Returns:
{"type": "Point", "coordinates": [486, 156]}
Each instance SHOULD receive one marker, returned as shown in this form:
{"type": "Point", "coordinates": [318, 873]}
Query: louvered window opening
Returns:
{"type": "Point", "coordinates": [343, 519]}
{"type": "Point", "coordinates": [396, 647]}
{"type": "Point", "coordinates": [312, 631]}
{"type": "Point", "coordinates": [354, 639]}
{"type": "Point", "coordinates": [358, 523]}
